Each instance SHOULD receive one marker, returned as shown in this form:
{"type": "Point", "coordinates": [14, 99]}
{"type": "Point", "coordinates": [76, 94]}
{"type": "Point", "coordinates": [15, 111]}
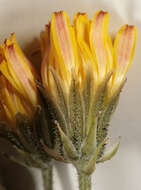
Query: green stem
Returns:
{"type": "Point", "coordinates": [47, 178]}
{"type": "Point", "coordinates": [84, 181]}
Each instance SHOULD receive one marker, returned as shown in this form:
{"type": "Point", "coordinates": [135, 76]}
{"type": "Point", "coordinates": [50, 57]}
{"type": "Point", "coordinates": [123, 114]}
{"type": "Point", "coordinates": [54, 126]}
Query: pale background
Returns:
{"type": "Point", "coordinates": [26, 18]}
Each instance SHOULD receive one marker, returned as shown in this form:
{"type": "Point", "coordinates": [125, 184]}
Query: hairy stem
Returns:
{"type": "Point", "coordinates": [84, 181]}
{"type": "Point", "coordinates": [47, 178]}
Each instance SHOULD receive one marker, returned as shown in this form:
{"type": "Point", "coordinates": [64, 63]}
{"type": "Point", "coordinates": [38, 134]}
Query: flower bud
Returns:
{"type": "Point", "coordinates": [80, 69]}
{"type": "Point", "coordinates": [21, 115]}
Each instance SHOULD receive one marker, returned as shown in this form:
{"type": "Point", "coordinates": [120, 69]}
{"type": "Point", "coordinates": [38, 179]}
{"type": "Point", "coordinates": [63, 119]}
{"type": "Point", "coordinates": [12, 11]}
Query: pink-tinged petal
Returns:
{"type": "Point", "coordinates": [28, 65]}
{"type": "Point", "coordinates": [98, 41]}
{"type": "Point", "coordinates": [124, 47]}
{"type": "Point", "coordinates": [21, 74]}
{"type": "Point", "coordinates": [64, 47]}
{"type": "Point", "coordinates": [45, 40]}
{"type": "Point", "coordinates": [45, 49]}
{"type": "Point", "coordinates": [61, 34]}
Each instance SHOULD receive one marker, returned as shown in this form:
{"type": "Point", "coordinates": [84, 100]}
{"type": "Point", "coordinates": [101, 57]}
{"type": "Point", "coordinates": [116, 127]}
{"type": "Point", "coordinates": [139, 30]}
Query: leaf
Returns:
{"type": "Point", "coordinates": [89, 143]}
{"type": "Point", "coordinates": [25, 131]}
{"type": "Point", "coordinates": [42, 126]}
{"type": "Point", "coordinates": [76, 114]}
{"type": "Point", "coordinates": [87, 92]}
{"type": "Point", "coordinates": [31, 133]}
{"type": "Point", "coordinates": [61, 93]}
{"type": "Point", "coordinates": [96, 102]}
{"type": "Point", "coordinates": [68, 146]}
{"type": "Point", "coordinates": [53, 113]}
{"type": "Point", "coordinates": [53, 153]}
{"type": "Point", "coordinates": [105, 117]}
{"type": "Point", "coordinates": [12, 137]}
{"type": "Point", "coordinates": [109, 155]}
{"type": "Point", "coordinates": [90, 167]}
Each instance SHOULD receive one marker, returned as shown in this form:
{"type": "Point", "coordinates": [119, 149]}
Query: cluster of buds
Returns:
{"type": "Point", "coordinates": [66, 114]}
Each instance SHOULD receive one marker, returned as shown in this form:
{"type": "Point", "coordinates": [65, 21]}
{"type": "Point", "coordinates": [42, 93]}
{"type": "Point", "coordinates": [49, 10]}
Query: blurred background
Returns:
{"type": "Point", "coordinates": [27, 18]}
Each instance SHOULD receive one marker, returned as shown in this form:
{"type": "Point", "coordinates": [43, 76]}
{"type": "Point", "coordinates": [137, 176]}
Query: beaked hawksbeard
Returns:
{"type": "Point", "coordinates": [83, 74]}
{"type": "Point", "coordinates": [66, 114]}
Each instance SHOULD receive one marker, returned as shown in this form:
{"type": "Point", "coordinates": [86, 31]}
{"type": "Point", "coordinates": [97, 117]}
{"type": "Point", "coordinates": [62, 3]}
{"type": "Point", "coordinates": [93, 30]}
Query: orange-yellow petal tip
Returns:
{"type": "Point", "coordinates": [99, 41]}
{"type": "Point", "coordinates": [124, 48]}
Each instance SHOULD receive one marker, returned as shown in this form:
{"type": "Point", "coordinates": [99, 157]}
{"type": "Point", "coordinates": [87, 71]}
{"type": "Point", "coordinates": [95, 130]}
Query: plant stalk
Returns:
{"type": "Point", "coordinates": [47, 176]}
{"type": "Point", "coordinates": [84, 181]}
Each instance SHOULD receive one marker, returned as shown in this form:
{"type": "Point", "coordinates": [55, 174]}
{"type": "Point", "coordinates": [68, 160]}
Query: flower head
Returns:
{"type": "Point", "coordinates": [20, 111]}
{"type": "Point", "coordinates": [81, 68]}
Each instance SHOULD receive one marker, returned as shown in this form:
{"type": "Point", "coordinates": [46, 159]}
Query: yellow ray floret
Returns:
{"type": "Point", "coordinates": [100, 43]}
{"type": "Point", "coordinates": [124, 47]}
{"type": "Point", "coordinates": [82, 29]}
{"type": "Point", "coordinates": [18, 70]}
{"type": "Point", "coordinates": [45, 51]}
{"type": "Point", "coordinates": [63, 44]}
{"type": "Point", "coordinates": [11, 102]}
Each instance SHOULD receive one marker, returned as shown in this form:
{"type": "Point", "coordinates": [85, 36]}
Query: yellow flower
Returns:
{"type": "Point", "coordinates": [18, 70]}
{"type": "Point", "coordinates": [72, 50]}
{"type": "Point", "coordinates": [11, 102]}
{"type": "Point", "coordinates": [83, 73]}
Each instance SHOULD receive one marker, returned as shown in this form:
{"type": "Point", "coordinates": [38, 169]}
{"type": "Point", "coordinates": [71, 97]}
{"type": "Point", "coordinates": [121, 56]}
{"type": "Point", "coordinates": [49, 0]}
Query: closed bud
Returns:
{"type": "Point", "coordinates": [81, 70]}
{"type": "Point", "coordinates": [20, 118]}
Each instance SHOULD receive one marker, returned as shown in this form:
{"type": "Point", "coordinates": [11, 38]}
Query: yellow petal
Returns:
{"type": "Point", "coordinates": [7, 101]}
{"type": "Point", "coordinates": [48, 60]}
{"type": "Point", "coordinates": [12, 102]}
{"type": "Point", "coordinates": [82, 27]}
{"type": "Point", "coordinates": [45, 50]}
{"type": "Point", "coordinates": [22, 105]}
{"type": "Point", "coordinates": [62, 37]}
{"type": "Point", "coordinates": [64, 46]}
{"type": "Point", "coordinates": [109, 54]}
{"type": "Point", "coordinates": [45, 40]}
{"type": "Point", "coordinates": [27, 64]}
{"type": "Point", "coordinates": [124, 47]}
{"type": "Point", "coordinates": [10, 76]}
{"type": "Point", "coordinates": [99, 41]}
{"type": "Point", "coordinates": [18, 70]}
